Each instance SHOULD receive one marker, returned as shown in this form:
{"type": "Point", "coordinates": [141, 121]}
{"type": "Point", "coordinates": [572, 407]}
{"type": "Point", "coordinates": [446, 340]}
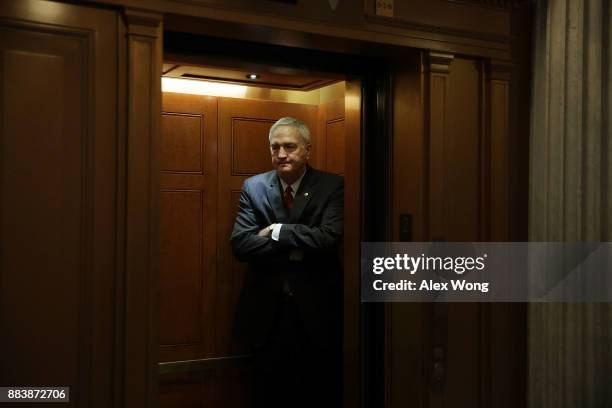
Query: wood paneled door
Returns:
{"type": "Point", "coordinates": [58, 199]}
{"type": "Point", "coordinates": [210, 145]}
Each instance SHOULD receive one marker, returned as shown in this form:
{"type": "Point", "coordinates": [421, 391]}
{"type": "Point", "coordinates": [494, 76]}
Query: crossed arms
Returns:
{"type": "Point", "coordinates": [251, 241]}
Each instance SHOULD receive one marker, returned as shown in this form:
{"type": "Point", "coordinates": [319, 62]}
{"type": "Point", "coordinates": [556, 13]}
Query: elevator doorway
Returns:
{"type": "Point", "coordinates": [215, 123]}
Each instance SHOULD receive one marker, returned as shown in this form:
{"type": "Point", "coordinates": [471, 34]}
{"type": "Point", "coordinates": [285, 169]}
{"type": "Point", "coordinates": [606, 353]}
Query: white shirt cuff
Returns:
{"type": "Point", "coordinates": [276, 231]}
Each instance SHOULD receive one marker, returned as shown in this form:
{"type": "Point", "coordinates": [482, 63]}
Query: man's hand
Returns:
{"type": "Point", "coordinates": [266, 232]}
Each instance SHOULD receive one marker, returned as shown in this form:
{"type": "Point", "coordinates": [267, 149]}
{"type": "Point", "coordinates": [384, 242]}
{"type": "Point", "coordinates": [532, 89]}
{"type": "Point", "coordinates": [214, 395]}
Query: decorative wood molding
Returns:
{"type": "Point", "coordinates": [143, 41]}
{"type": "Point", "coordinates": [499, 120]}
{"type": "Point", "coordinates": [498, 77]}
{"type": "Point", "coordinates": [438, 62]}
{"type": "Point", "coordinates": [405, 24]}
{"type": "Point", "coordinates": [438, 66]}
{"type": "Point", "coordinates": [221, 20]}
{"type": "Point", "coordinates": [142, 22]}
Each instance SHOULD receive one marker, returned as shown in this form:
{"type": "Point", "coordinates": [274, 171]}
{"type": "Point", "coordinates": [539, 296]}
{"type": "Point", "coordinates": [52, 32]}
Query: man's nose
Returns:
{"type": "Point", "coordinates": [282, 152]}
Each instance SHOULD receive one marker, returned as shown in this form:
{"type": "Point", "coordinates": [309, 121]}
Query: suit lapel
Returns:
{"type": "Point", "coordinates": [303, 195]}
{"type": "Point", "coordinates": [274, 198]}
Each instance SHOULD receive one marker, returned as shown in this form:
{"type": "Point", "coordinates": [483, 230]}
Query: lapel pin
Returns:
{"type": "Point", "coordinates": [305, 194]}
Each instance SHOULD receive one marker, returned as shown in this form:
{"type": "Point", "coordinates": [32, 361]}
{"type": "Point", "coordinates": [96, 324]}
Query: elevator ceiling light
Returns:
{"type": "Point", "coordinates": [253, 76]}
{"type": "Point", "coordinates": [194, 87]}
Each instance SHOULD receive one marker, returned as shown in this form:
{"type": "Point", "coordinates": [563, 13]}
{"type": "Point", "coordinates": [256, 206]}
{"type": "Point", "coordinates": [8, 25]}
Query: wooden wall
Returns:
{"type": "Point", "coordinates": [479, 27]}
{"type": "Point", "coordinates": [82, 269]}
{"type": "Point", "coordinates": [330, 150]}
{"type": "Point", "coordinates": [457, 172]}
{"type": "Point", "coordinates": [59, 144]}
{"type": "Point", "coordinates": [79, 239]}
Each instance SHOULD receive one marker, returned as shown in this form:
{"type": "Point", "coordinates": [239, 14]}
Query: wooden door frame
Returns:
{"type": "Point", "coordinates": [368, 113]}
{"type": "Point", "coordinates": [376, 218]}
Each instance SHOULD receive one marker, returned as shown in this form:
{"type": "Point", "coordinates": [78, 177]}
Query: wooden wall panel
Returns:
{"type": "Point", "coordinates": [456, 177]}
{"type": "Point", "coordinates": [437, 126]}
{"type": "Point", "coordinates": [335, 147]}
{"type": "Point", "coordinates": [43, 204]}
{"type": "Point", "coordinates": [455, 152]}
{"type": "Point", "coordinates": [500, 155]}
{"type": "Point", "coordinates": [188, 270]}
{"type": "Point", "coordinates": [181, 267]}
{"type": "Point", "coordinates": [329, 148]}
{"type": "Point", "coordinates": [462, 160]}
{"type": "Point", "coordinates": [508, 321]}
{"type": "Point", "coordinates": [406, 323]}
{"type": "Point", "coordinates": [410, 146]}
{"type": "Point", "coordinates": [250, 146]}
{"type": "Point", "coordinates": [464, 357]}
{"type": "Point", "coordinates": [466, 189]}
{"type": "Point", "coordinates": [180, 134]}
{"type": "Point", "coordinates": [229, 286]}
{"type": "Point", "coordinates": [455, 168]}
{"type": "Point", "coordinates": [58, 175]}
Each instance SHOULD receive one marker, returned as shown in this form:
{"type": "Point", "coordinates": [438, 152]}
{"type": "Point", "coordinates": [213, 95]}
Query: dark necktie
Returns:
{"type": "Point", "coordinates": [288, 198]}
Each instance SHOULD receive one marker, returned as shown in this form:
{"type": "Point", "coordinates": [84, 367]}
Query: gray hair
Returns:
{"type": "Point", "coordinates": [296, 123]}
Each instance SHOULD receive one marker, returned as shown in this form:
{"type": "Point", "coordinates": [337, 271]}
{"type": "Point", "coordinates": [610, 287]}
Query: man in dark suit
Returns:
{"type": "Point", "coordinates": [288, 228]}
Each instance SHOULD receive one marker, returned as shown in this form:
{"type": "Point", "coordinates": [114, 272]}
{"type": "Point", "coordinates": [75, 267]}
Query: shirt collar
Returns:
{"type": "Point", "coordinates": [295, 186]}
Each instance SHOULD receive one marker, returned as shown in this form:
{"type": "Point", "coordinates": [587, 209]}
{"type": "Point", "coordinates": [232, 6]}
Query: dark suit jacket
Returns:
{"type": "Point", "coordinates": [314, 225]}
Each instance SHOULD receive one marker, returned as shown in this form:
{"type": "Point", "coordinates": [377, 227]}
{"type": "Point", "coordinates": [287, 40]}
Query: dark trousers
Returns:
{"type": "Point", "coordinates": [291, 371]}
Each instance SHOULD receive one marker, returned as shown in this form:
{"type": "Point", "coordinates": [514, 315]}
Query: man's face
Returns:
{"type": "Point", "coordinates": [289, 153]}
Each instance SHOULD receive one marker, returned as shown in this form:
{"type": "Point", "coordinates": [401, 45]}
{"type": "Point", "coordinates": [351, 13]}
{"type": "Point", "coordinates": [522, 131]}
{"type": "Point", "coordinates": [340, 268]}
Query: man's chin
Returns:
{"type": "Point", "coordinates": [284, 168]}
{"type": "Point", "coordinates": [286, 173]}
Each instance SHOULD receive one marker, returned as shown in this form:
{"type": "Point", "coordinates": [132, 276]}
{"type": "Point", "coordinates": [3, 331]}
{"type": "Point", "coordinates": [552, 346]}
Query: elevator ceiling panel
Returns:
{"type": "Point", "coordinates": [261, 78]}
